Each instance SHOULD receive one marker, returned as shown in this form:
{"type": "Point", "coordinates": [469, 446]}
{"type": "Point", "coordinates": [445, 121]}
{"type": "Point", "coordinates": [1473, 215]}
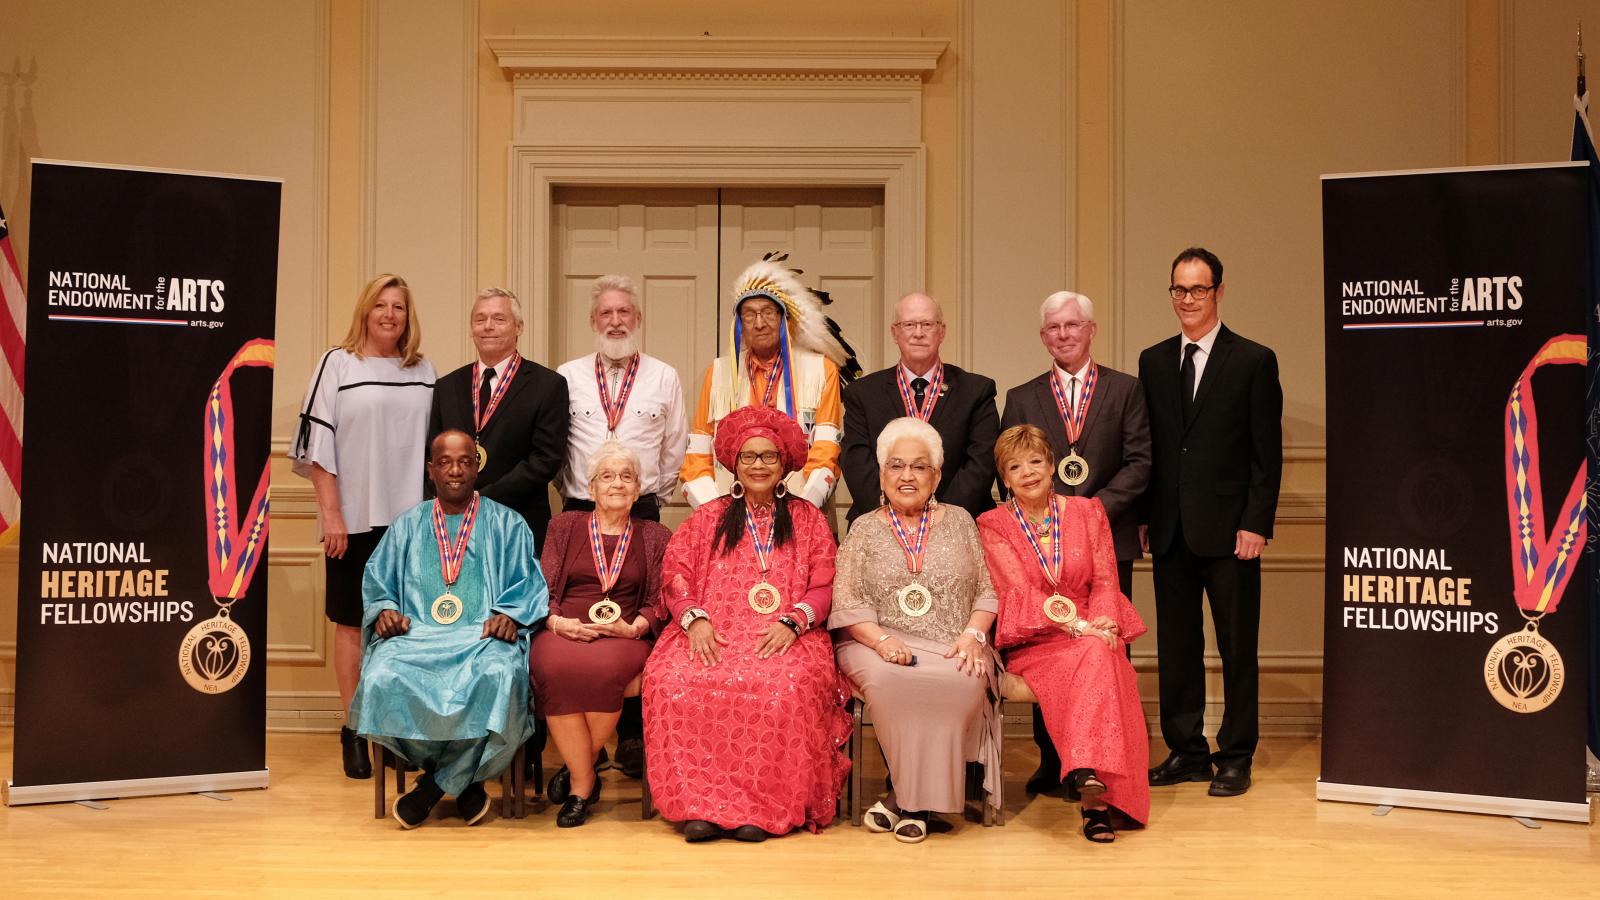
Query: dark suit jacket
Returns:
{"type": "Point", "coordinates": [526, 440]}
{"type": "Point", "coordinates": [964, 417]}
{"type": "Point", "coordinates": [1218, 473]}
{"type": "Point", "coordinates": [1115, 442]}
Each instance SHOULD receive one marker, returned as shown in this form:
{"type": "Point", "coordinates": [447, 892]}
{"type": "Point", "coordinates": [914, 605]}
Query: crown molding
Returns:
{"type": "Point", "coordinates": [520, 55]}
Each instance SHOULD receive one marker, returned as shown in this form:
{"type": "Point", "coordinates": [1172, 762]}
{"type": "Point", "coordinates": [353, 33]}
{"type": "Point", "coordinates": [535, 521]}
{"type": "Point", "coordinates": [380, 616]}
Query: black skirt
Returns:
{"type": "Point", "coordinates": [342, 586]}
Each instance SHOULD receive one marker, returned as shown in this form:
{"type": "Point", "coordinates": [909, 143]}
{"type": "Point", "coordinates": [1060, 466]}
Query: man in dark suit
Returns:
{"type": "Point", "coordinates": [1094, 417]}
{"type": "Point", "coordinates": [521, 424]}
{"type": "Point", "coordinates": [958, 404]}
{"type": "Point", "coordinates": [1216, 421]}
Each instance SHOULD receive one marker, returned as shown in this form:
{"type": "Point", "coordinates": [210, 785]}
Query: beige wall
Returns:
{"type": "Point", "coordinates": [1067, 145]}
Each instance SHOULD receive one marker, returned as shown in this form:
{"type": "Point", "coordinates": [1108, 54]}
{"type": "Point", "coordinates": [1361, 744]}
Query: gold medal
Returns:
{"type": "Point", "coordinates": [605, 611]}
{"type": "Point", "coordinates": [1073, 469]}
{"type": "Point", "coordinates": [764, 598]}
{"type": "Point", "coordinates": [214, 655]}
{"type": "Point", "coordinates": [914, 599]}
{"type": "Point", "coordinates": [1060, 610]}
{"type": "Point", "coordinates": [483, 457]}
{"type": "Point", "coordinates": [447, 608]}
{"type": "Point", "coordinates": [1523, 671]}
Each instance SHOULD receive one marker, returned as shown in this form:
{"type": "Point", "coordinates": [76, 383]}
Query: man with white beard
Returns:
{"type": "Point", "coordinates": [618, 392]}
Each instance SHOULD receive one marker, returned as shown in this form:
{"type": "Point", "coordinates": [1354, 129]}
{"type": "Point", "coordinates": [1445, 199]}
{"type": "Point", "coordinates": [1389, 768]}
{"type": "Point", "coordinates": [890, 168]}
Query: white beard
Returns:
{"type": "Point", "coordinates": [616, 349]}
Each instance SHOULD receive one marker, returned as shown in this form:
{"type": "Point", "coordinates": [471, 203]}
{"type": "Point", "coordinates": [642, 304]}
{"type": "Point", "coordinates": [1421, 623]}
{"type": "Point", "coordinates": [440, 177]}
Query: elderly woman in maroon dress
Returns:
{"type": "Point", "coordinates": [604, 572]}
{"type": "Point", "coordinates": [1061, 628]}
{"type": "Point", "coordinates": [743, 709]}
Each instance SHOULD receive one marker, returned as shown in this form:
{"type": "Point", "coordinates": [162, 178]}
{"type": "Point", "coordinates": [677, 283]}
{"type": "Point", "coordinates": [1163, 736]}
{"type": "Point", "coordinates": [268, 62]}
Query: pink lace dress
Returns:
{"type": "Point", "coordinates": [748, 741]}
{"type": "Point", "coordinates": [1088, 692]}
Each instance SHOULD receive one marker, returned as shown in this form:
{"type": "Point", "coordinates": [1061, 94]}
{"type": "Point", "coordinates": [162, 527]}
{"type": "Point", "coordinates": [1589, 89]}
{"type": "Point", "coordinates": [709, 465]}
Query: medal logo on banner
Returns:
{"type": "Point", "coordinates": [1523, 670]}
{"type": "Point", "coordinates": [215, 654]}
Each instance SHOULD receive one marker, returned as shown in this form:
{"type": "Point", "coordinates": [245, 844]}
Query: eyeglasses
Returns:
{"type": "Point", "coordinates": [918, 327]}
{"type": "Point", "coordinates": [624, 477]}
{"type": "Point", "coordinates": [898, 467]}
{"type": "Point", "coordinates": [1066, 327]}
{"type": "Point", "coordinates": [760, 314]}
{"type": "Point", "coordinates": [1198, 292]}
{"type": "Point", "coordinates": [751, 457]}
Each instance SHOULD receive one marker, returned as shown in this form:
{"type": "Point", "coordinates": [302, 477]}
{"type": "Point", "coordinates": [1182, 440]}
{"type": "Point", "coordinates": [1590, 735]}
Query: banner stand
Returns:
{"type": "Point", "coordinates": [132, 787]}
{"type": "Point", "coordinates": [1515, 807]}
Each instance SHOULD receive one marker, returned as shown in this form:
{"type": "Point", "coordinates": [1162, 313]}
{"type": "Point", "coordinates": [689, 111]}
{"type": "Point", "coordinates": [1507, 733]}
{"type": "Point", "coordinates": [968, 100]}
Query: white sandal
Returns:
{"type": "Point", "coordinates": [903, 833]}
{"type": "Point", "coordinates": [878, 809]}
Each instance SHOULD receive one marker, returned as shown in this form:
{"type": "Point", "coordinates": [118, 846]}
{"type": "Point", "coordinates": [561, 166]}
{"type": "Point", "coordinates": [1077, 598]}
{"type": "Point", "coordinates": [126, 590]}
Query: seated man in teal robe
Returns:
{"type": "Point", "coordinates": [451, 595]}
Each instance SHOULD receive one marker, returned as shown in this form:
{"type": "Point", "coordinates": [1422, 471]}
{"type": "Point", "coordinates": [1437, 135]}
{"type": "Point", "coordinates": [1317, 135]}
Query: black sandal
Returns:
{"type": "Point", "coordinates": [1083, 783]}
{"type": "Point", "coordinates": [1097, 826]}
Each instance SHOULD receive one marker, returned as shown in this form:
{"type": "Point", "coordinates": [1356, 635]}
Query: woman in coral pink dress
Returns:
{"type": "Point", "coordinates": [743, 708]}
{"type": "Point", "coordinates": [1061, 628]}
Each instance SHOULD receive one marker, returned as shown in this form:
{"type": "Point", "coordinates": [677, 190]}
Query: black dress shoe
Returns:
{"type": "Point", "coordinates": [411, 809]}
{"type": "Point", "coordinates": [1230, 781]}
{"type": "Point", "coordinates": [750, 834]}
{"type": "Point", "coordinates": [357, 756]}
{"type": "Point", "coordinates": [698, 831]}
{"type": "Point", "coordinates": [576, 809]}
{"type": "Point", "coordinates": [630, 757]}
{"type": "Point", "coordinates": [1178, 769]}
{"type": "Point", "coordinates": [560, 785]}
{"type": "Point", "coordinates": [1044, 780]}
{"type": "Point", "coordinates": [472, 804]}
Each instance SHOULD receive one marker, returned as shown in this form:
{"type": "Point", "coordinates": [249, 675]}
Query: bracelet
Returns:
{"type": "Point", "coordinates": [790, 624]}
{"type": "Point", "coordinates": [982, 638]}
{"type": "Point", "coordinates": [1079, 626]}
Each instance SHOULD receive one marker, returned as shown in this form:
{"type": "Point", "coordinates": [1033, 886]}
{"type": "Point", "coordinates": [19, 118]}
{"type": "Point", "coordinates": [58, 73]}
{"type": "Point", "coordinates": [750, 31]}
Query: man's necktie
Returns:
{"type": "Point", "coordinates": [1072, 393]}
{"type": "Point", "coordinates": [485, 390]}
{"type": "Point", "coordinates": [1188, 379]}
{"type": "Point", "coordinates": [919, 388]}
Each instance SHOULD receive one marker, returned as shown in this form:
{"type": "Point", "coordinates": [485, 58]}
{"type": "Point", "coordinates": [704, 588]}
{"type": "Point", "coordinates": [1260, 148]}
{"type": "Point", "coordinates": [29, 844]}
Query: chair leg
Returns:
{"type": "Point", "coordinates": [858, 757]}
{"type": "Point", "coordinates": [399, 772]}
{"type": "Point", "coordinates": [379, 754]}
{"type": "Point", "coordinates": [538, 761]}
{"type": "Point", "coordinates": [519, 783]}
{"type": "Point", "coordinates": [647, 803]}
{"type": "Point", "coordinates": [508, 784]}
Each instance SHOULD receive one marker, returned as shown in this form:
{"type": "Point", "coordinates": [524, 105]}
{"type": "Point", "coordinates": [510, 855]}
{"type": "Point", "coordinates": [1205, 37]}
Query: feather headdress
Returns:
{"type": "Point", "coordinates": [805, 324]}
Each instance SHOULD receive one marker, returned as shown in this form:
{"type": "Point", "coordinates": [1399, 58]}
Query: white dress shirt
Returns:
{"type": "Point", "coordinates": [1201, 355]}
{"type": "Point", "coordinates": [1065, 377]}
{"type": "Point", "coordinates": [654, 424]}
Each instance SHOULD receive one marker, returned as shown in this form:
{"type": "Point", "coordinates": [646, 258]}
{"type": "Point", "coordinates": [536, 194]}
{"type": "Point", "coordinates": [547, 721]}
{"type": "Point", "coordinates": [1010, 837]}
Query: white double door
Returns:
{"type": "Point", "coordinates": [685, 247]}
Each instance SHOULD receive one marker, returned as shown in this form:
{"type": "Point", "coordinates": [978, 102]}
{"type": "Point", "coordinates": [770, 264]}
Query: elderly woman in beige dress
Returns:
{"type": "Point", "coordinates": [912, 608]}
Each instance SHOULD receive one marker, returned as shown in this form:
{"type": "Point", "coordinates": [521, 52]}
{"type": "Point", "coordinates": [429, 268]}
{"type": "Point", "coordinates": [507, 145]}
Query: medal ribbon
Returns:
{"type": "Point", "coordinates": [480, 419]}
{"type": "Point", "coordinates": [1074, 418]}
{"type": "Point", "coordinates": [451, 555]}
{"type": "Point", "coordinates": [763, 548]}
{"type": "Point", "coordinates": [1051, 567]}
{"type": "Point", "coordinates": [614, 410]}
{"type": "Point", "coordinates": [913, 551]}
{"type": "Point", "coordinates": [1541, 561]}
{"type": "Point", "coordinates": [609, 571]}
{"type": "Point", "coordinates": [770, 395]}
{"type": "Point", "coordinates": [234, 553]}
{"type": "Point", "coordinates": [929, 399]}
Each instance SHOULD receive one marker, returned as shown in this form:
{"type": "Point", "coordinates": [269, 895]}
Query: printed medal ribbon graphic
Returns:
{"type": "Point", "coordinates": [215, 654]}
{"type": "Point", "coordinates": [1523, 670]}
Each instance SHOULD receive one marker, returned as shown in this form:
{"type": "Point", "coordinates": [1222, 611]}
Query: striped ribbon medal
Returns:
{"type": "Point", "coordinates": [215, 654]}
{"type": "Point", "coordinates": [930, 398]}
{"type": "Point", "coordinates": [764, 597]}
{"type": "Point", "coordinates": [480, 418]}
{"type": "Point", "coordinates": [769, 397]}
{"type": "Point", "coordinates": [1057, 607]}
{"type": "Point", "coordinates": [1073, 469]}
{"type": "Point", "coordinates": [447, 607]}
{"type": "Point", "coordinates": [614, 409]}
{"type": "Point", "coordinates": [915, 599]}
{"type": "Point", "coordinates": [605, 610]}
{"type": "Point", "coordinates": [1523, 670]}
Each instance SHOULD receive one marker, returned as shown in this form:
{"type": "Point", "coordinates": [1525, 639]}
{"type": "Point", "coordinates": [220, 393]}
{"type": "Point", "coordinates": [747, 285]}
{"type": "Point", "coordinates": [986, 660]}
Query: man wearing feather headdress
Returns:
{"type": "Point", "coordinates": [783, 353]}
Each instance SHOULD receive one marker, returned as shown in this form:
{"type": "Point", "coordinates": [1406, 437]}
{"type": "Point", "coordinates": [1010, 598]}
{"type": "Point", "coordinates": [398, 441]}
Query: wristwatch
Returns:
{"type": "Point", "coordinates": [690, 616]}
{"type": "Point", "coordinates": [982, 638]}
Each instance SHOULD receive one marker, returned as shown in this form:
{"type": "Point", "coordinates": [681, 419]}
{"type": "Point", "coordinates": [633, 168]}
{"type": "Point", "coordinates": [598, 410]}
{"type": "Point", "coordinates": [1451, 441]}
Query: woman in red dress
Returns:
{"type": "Point", "coordinates": [1061, 628]}
{"type": "Point", "coordinates": [743, 708]}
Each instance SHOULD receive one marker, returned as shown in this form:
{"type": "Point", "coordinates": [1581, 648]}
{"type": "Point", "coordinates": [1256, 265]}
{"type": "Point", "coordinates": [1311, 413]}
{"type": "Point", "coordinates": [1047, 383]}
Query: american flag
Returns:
{"type": "Point", "coordinates": [13, 328]}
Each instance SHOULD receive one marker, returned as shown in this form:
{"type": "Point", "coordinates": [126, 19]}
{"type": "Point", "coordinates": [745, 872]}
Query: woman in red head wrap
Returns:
{"type": "Point", "coordinates": [743, 708]}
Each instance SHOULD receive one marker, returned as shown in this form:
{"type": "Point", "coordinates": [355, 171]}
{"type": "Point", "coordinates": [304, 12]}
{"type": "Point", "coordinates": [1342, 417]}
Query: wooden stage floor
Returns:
{"type": "Point", "coordinates": [312, 833]}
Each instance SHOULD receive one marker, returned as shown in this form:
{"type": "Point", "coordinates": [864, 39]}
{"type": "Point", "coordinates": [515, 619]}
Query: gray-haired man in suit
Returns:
{"type": "Point", "coordinates": [1095, 419]}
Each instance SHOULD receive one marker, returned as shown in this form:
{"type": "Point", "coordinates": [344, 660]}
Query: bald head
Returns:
{"type": "Point", "coordinates": [918, 331]}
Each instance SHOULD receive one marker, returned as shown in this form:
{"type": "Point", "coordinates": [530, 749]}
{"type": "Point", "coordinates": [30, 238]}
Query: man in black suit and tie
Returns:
{"type": "Point", "coordinates": [958, 404]}
{"type": "Point", "coordinates": [516, 408]}
{"type": "Point", "coordinates": [1216, 417]}
{"type": "Point", "coordinates": [1094, 417]}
